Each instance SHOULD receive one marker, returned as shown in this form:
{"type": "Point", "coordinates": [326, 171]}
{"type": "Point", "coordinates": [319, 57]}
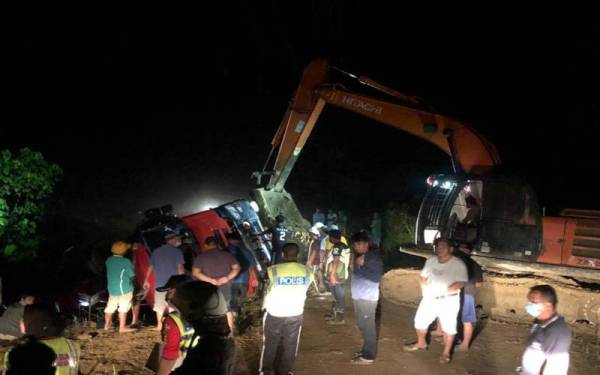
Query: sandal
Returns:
{"type": "Point", "coordinates": [413, 347]}
{"type": "Point", "coordinates": [444, 359]}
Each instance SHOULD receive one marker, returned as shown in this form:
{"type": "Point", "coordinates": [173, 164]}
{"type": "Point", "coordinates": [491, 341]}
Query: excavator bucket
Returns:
{"type": "Point", "coordinates": [273, 203]}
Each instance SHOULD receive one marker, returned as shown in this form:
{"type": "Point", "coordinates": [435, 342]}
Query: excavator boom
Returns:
{"type": "Point", "coordinates": [470, 152]}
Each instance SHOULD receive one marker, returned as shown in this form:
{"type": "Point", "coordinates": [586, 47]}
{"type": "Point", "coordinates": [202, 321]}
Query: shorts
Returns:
{"type": "Point", "coordinates": [446, 309]}
{"type": "Point", "coordinates": [468, 309]}
{"type": "Point", "coordinates": [160, 302]}
{"type": "Point", "coordinates": [226, 291]}
{"type": "Point", "coordinates": [122, 302]}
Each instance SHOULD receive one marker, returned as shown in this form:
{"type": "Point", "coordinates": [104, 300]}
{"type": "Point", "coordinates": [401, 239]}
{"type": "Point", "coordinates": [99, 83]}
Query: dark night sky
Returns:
{"type": "Point", "coordinates": [146, 110]}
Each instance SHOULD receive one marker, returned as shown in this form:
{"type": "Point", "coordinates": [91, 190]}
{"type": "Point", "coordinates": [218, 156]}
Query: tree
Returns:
{"type": "Point", "coordinates": [26, 181]}
{"type": "Point", "coordinates": [398, 225]}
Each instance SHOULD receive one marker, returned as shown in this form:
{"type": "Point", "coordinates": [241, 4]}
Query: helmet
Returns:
{"type": "Point", "coordinates": [319, 225]}
{"type": "Point", "coordinates": [335, 234]}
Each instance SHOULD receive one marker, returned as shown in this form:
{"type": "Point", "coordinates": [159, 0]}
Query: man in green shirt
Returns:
{"type": "Point", "coordinates": [11, 322]}
{"type": "Point", "coordinates": [119, 273]}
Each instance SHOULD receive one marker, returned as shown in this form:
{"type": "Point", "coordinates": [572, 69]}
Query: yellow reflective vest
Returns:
{"type": "Point", "coordinates": [67, 355]}
{"type": "Point", "coordinates": [286, 293]}
{"type": "Point", "coordinates": [186, 332]}
{"type": "Point", "coordinates": [329, 245]}
{"type": "Point", "coordinates": [342, 270]}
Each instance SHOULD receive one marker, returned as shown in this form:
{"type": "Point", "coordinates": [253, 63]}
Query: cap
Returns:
{"type": "Point", "coordinates": [170, 233]}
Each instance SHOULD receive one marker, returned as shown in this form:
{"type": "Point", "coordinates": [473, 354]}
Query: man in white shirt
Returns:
{"type": "Point", "coordinates": [442, 278]}
{"type": "Point", "coordinates": [549, 340]}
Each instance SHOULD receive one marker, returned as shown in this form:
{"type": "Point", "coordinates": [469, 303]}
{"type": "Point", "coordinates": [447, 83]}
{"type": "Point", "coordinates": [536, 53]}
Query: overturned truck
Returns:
{"type": "Point", "coordinates": [239, 216]}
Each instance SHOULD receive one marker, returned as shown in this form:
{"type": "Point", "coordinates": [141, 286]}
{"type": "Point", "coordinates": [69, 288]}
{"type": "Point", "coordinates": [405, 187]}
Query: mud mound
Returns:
{"type": "Point", "coordinates": [502, 297]}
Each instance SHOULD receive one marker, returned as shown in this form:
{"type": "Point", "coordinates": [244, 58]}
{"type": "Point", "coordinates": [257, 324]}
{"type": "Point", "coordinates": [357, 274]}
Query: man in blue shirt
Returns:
{"type": "Point", "coordinates": [166, 261]}
{"type": "Point", "coordinates": [239, 285]}
{"type": "Point", "coordinates": [368, 269]}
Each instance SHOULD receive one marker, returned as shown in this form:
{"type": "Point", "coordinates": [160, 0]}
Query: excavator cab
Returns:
{"type": "Point", "coordinates": [498, 216]}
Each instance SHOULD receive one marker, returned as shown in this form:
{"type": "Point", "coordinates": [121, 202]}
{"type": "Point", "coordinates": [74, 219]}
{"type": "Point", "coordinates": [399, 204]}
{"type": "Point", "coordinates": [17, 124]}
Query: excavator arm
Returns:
{"type": "Point", "coordinates": [469, 151]}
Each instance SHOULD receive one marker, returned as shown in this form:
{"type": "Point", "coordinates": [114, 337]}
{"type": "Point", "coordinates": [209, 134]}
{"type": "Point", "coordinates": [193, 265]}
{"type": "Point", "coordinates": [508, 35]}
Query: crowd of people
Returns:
{"type": "Point", "coordinates": [196, 311]}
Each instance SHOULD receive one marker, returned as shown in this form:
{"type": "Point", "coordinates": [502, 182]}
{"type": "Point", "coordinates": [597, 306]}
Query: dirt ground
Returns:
{"type": "Point", "coordinates": [327, 349]}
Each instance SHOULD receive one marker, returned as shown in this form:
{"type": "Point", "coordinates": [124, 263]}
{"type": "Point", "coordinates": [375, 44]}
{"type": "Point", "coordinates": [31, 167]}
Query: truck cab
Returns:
{"type": "Point", "coordinates": [240, 215]}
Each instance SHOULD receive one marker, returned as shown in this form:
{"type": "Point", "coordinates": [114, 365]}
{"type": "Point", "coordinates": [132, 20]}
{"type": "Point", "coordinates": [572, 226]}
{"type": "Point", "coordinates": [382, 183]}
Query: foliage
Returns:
{"type": "Point", "coordinates": [26, 182]}
{"type": "Point", "coordinates": [398, 226]}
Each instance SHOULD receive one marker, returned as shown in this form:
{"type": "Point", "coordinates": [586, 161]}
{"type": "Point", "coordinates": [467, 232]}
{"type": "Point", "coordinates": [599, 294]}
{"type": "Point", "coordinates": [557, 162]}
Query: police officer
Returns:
{"type": "Point", "coordinates": [284, 305]}
{"type": "Point", "coordinates": [45, 326]}
{"type": "Point", "coordinates": [31, 357]}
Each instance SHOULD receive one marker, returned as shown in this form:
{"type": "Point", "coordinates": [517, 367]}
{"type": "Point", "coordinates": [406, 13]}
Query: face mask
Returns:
{"type": "Point", "coordinates": [534, 309]}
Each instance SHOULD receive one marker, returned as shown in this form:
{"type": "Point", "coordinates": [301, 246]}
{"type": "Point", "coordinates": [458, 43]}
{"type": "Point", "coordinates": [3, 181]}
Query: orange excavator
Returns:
{"type": "Point", "coordinates": [498, 215]}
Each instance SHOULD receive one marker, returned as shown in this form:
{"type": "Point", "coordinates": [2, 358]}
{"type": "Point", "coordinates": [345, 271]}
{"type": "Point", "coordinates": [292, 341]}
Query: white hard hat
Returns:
{"type": "Point", "coordinates": [319, 225]}
{"type": "Point", "coordinates": [333, 227]}
{"type": "Point", "coordinates": [314, 231]}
